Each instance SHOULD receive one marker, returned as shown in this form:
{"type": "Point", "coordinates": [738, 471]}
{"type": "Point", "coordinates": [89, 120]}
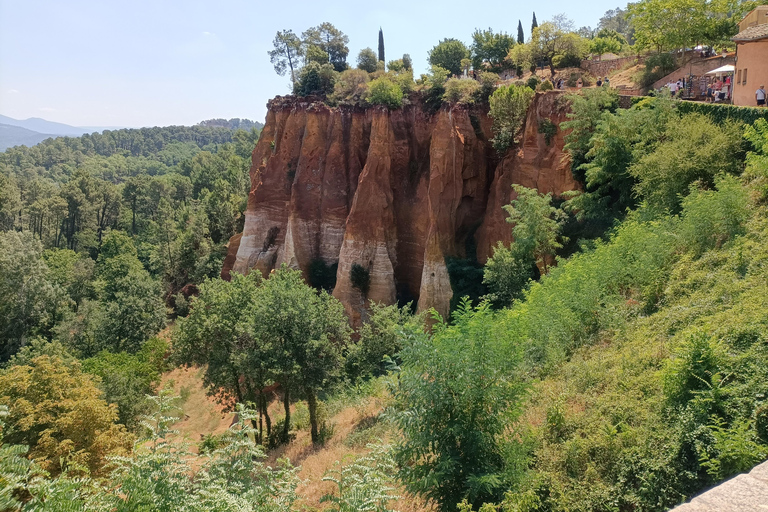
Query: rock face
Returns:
{"type": "Point", "coordinates": [394, 192]}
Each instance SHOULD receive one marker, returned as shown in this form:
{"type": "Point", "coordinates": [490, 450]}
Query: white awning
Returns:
{"type": "Point", "coordinates": [728, 68]}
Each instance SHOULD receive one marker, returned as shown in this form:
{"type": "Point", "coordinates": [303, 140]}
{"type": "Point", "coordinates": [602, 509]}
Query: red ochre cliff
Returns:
{"type": "Point", "coordinates": [394, 191]}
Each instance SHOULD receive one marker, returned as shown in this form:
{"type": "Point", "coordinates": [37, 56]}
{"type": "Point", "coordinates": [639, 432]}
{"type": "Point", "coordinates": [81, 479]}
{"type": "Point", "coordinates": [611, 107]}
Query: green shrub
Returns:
{"type": "Point", "coordinates": [545, 85]}
{"type": "Point", "coordinates": [380, 336]}
{"type": "Point", "coordinates": [533, 82]}
{"type": "Point", "coordinates": [508, 108]}
{"type": "Point", "coordinates": [456, 396]}
{"type": "Point", "coordinates": [315, 78]}
{"type": "Point", "coordinates": [321, 275]}
{"type": "Point", "coordinates": [383, 91]}
{"type": "Point", "coordinates": [735, 450]}
{"type": "Point", "coordinates": [433, 85]}
{"type": "Point", "coordinates": [756, 172]}
{"type": "Point", "coordinates": [488, 83]}
{"type": "Point", "coordinates": [461, 90]}
{"type": "Point", "coordinates": [350, 88]}
{"type": "Point", "coordinates": [360, 277]}
{"type": "Point", "coordinates": [692, 370]}
{"type": "Point", "coordinates": [656, 67]}
{"type": "Point", "coordinates": [693, 149]}
{"type": "Point", "coordinates": [722, 113]}
{"type": "Point", "coordinates": [548, 128]}
{"type": "Point", "coordinates": [712, 217]}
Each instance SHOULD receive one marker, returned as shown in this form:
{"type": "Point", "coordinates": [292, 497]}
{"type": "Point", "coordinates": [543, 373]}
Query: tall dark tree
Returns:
{"type": "Point", "coordinates": [534, 23]}
{"type": "Point", "coordinates": [520, 35]}
{"type": "Point", "coordinates": [381, 45]}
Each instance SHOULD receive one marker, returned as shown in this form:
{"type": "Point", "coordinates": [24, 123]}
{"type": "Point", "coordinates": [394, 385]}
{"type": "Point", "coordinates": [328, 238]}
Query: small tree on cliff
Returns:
{"type": "Point", "coordinates": [536, 225]}
{"type": "Point", "coordinates": [448, 54]}
{"type": "Point", "coordinates": [509, 106]}
{"type": "Point", "coordinates": [288, 49]}
{"type": "Point", "coordinates": [366, 60]}
{"type": "Point", "coordinates": [536, 231]}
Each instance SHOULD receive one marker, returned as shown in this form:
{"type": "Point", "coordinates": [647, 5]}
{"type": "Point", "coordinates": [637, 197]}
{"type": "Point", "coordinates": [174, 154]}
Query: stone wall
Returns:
{"type": "Point", "coordinates": [604, 67]}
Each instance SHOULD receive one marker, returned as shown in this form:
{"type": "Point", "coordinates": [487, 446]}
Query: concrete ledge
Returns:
{"type": "Point", "coordinates": [747, 492]}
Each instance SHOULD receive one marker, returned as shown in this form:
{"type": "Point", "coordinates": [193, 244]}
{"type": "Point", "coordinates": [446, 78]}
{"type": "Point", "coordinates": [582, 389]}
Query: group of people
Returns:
{"type": "Point", "coordinates": [715, 89]}
{"type": "Point", "coordinates": [560, 84]}
{"type": "Point", "coordinates": [679, 87]}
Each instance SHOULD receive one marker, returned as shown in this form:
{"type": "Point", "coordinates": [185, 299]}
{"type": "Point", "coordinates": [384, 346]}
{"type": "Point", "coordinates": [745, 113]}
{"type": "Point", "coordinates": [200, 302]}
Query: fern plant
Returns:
{"type": "Point", "coordinates": [13, 468]}
{"type": "Point", "coordinates": [364, 485]}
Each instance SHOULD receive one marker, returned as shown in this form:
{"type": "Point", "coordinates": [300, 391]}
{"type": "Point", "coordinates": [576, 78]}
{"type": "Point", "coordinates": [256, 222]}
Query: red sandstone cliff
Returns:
{"type": "Point", "coordinates": [396, 192]}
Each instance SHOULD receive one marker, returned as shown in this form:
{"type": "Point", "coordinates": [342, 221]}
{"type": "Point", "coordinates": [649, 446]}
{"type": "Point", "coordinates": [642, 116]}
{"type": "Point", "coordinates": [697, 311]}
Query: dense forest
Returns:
{"type": "Point", "coordinates": [614, 358]}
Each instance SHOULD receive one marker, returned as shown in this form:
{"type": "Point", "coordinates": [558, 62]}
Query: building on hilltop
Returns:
{"type": "Point", "coordinates": [751, 56]}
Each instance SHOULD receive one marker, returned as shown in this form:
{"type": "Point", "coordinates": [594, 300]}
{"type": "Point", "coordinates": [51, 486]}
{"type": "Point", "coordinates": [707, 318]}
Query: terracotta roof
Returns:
{"type": "Point", "coordinates": [752, 33]}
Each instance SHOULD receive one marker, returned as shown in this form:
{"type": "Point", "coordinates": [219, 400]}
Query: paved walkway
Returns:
{"type": "Point", "coordinates": [747, 492]}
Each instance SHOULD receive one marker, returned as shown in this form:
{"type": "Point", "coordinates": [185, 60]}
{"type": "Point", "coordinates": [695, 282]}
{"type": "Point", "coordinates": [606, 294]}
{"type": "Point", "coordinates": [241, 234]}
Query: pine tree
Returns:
{"type": "Point", "coordinates": [520, 35]}
{"type": "Point", "coordinates": [534, 23]}
{"type": "Point", "coordinates": [381, 45]}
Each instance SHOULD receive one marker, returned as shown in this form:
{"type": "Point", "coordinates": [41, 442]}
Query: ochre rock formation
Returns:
{"type": "Point", "coordinates": [394, 191]}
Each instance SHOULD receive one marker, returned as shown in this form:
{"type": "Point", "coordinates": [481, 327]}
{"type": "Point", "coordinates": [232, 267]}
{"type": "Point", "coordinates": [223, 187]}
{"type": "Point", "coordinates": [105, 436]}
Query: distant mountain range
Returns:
{"type": "Point", "coordinates": [15, 132]}
{"type": "Point", "coordinates": [28, 132]}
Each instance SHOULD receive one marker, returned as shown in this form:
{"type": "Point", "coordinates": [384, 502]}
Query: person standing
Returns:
{"type": "Point", "coordinates": [760, 96]}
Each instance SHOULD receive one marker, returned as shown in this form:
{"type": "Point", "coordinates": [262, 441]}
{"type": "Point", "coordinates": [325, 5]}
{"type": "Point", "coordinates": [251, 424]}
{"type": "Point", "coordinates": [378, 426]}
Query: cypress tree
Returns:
{"type": "Point", "coordinates": [381, 45]}
{"type": "Point", "coordinates": [534, 23]}
{"type": "Point", "coordinates": [520, 36]}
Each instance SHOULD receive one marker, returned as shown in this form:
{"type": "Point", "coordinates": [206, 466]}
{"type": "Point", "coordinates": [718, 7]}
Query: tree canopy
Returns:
{"type": "Point", "coordinates": [448, 54]}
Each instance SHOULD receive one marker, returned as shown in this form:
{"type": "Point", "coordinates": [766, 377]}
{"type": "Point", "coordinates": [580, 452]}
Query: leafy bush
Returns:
{"type": "Point", "coordinates": [456, 395]}
{"type": "Point", "coordinates": [508, 108]}
{"type": "Point", "coordinates": [656, 67]}
{"type": "Point", "coordinates": [548, 128]}
{"type": "Point", "coordinates": [383, 91]}
{"type": "Point", "coordinates": [434, 87]}
{"type": "Point", "coordinates": [364, 485]}
{"type": "Point", "coordinates": [694, 149]}
{"type": "Point", "coordinates": [756, 172]}
{"type": "Point", "coordinates": [315, 78]}
{"type": "Point", "coordinates": [127, 379]}
{"type": "Point", "coordinates": [350, 88]}
{"type": "Point", "coordinates": [533, 82]}
{"type": "Point", "coordinates": [488, 83]}
{"type": "Point", "coordinates": [722, 113]}
{"type": "Point", "coordinates": [380, 336]}
{"type": "Point", "coordinates": [360, 277]}
{"type": "Point", "coordinates": [321, 275]}
{"type": "Point", "coordinates": [712, 217]}
{"type": "Point", "coordinates": [545, 85]}
{"type": "Point", "coordinates": [58, 412]}
{"type": "Point", "coordinates": [460, 90]}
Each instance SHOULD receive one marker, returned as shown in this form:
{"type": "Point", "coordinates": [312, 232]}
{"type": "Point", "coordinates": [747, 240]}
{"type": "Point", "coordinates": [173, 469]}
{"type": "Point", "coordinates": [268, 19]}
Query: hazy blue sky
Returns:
{"type": "Point", "coordinates": [157, 62]}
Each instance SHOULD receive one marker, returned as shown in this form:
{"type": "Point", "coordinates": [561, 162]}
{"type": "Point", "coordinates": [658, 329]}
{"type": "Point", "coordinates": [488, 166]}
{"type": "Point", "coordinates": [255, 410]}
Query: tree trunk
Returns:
{"type": "Point", "coordinates": [312, 405]}
{"type": "Point", "coordinates": [265, 412]}
{"type": "Point", "coordinates": [287, 406]}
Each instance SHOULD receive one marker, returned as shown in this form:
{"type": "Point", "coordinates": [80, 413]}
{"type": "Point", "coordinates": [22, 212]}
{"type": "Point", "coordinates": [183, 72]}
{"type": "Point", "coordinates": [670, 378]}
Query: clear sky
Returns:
{"type": "Point", "coordinates": [162, 62]}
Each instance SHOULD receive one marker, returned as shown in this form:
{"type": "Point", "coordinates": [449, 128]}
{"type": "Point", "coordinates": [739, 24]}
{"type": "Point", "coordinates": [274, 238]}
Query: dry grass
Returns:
{"type": "Point", "coordinates": [202, 415]}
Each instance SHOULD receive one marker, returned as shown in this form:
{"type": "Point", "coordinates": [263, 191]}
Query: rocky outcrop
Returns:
{"type": "Point", "coordinates": [395, 192]}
